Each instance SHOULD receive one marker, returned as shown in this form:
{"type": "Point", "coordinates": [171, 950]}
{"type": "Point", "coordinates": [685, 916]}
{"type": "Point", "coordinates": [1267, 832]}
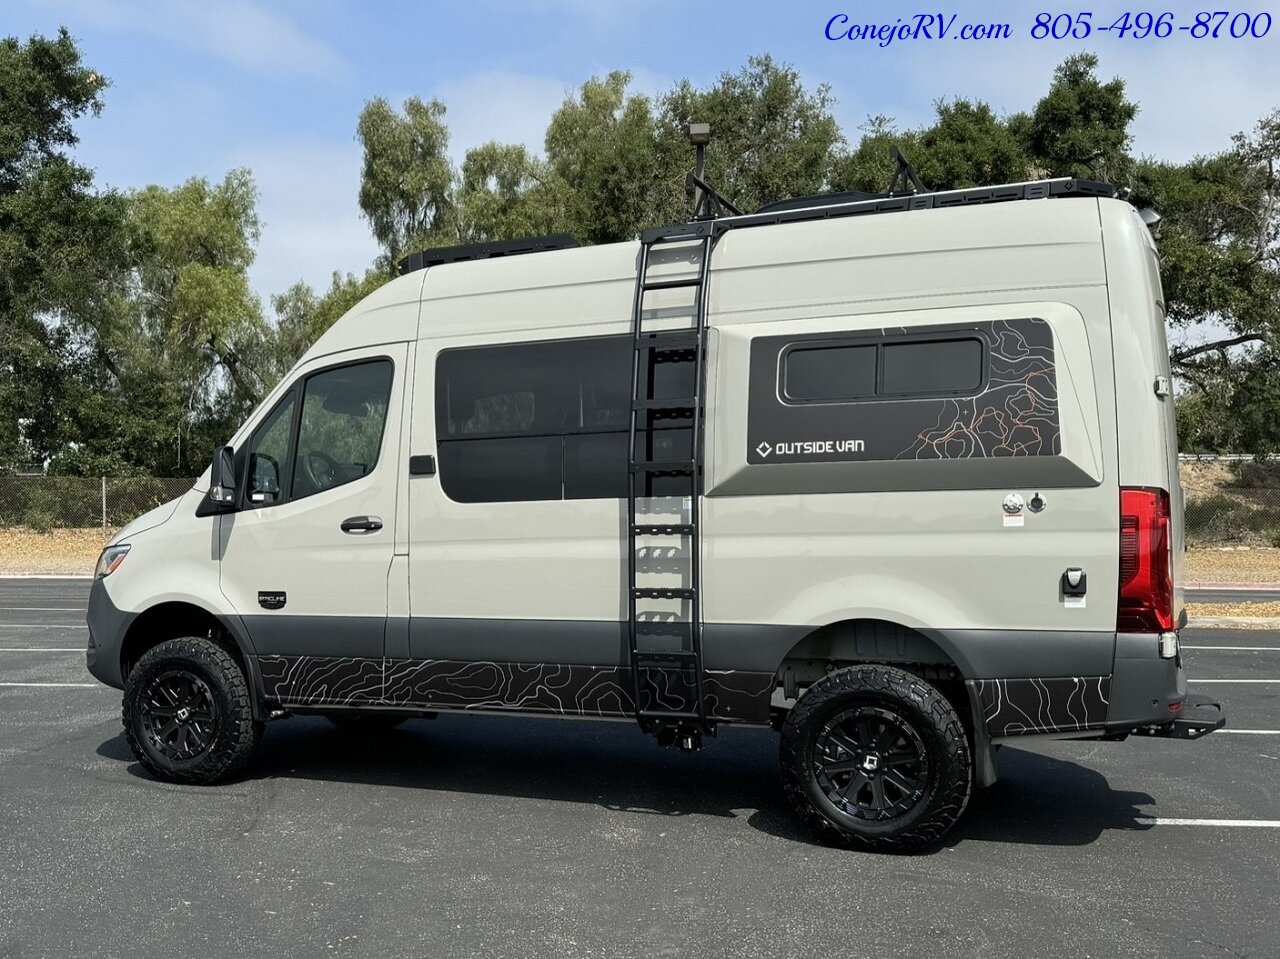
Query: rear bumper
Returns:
{"type": "Point", "coordinates": [1146, 688]}
{"type": "Point", "coordinates": [1199, 716]}
{"type": "Point", "coordinates": [1144, 692]}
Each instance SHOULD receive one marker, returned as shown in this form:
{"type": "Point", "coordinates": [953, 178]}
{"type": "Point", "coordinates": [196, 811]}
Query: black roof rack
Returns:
{"type": "Point", "coordinates": [485, 251]}
{"type": "Point", "coordinates": [819, 199]}
{"type": "Point", "coordinates": [798, 209]}
{"type": "Point", "coordinates": [822, 209]}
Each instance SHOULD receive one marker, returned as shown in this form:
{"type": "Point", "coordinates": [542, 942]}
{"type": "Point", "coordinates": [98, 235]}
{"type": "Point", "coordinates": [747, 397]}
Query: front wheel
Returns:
{"type": "Point", "coordinates": [187, 712]}
{"type": "Point", "coordinates": [877, 757]}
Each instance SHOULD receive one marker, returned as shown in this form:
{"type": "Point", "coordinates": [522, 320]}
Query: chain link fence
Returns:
{"type": "Point", "coordinates": [51, 502]}
{"type": "Point", "coordinates": [1230, 500]}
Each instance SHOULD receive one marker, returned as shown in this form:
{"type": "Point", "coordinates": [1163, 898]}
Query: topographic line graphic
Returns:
{"type": "Point", "coordinates": [567, 690]}
{"type": "Point", "coordinates": [1016, 414]}
{"type": "Point", "coordinates": [1064, 703]}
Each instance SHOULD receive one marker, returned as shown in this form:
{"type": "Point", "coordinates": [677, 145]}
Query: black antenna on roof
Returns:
{"type": "Point", "coordinates": [905, 180]}
{"type": "Point", "coordinates": [707, 202]}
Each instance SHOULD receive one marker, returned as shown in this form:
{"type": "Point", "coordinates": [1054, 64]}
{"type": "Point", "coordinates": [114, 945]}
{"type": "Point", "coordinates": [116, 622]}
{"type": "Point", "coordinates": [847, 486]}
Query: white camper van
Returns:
{"type": "Point", "coordinates": [894, 475]}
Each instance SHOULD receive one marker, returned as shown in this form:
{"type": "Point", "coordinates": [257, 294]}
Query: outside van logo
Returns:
{"type": "Point", "coordinates": [811, 447]}
{"type": "Point", "coordinates": [271, 600]}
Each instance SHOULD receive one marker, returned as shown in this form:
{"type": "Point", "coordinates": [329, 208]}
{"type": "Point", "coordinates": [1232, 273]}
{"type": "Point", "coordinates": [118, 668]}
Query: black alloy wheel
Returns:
{"type": "Point", "coordinates": [179, 714]}
{"type": "Point", "coordinates": [876, 757]}
{"type": "Point", "coordinates": [871, 763]}
{"type": "Point", "coordinates": [188, 711]}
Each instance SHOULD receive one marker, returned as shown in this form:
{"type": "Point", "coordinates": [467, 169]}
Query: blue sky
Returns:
{"type": "Point", "coordinates": [200, 87]}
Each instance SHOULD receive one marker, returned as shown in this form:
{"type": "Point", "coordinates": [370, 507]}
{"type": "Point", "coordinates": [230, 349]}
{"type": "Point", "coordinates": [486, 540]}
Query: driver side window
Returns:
{"type": "Point", "coordinates": [339, 437]}
{"type": "Point", "coordinates": [269, 455]}
{"type": "Point", "coordinates": [335, 440]}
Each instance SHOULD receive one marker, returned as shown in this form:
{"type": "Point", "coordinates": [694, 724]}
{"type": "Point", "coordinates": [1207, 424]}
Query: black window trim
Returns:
{"type": "Point", "coordinates": [297, 390]}
{"type": "Point", "coordinates": [880, 341]}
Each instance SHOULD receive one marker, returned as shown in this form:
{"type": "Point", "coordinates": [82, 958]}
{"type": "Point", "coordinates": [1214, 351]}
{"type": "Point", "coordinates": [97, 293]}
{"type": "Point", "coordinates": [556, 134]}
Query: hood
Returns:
{"type": "Point", "coordinates": [147, 520]}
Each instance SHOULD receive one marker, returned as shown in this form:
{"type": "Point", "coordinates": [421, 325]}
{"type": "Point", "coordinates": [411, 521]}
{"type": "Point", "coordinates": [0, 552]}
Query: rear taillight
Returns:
{"type": "Point", "coordinates": [1146, 575]}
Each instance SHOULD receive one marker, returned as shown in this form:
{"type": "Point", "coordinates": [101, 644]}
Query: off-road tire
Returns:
{"type": "Point", "coordinates": [235, 734]}
{"type": "Point", "coordinates": [371, 721]}
{"type": "Point", "coordinates": [939, 729]}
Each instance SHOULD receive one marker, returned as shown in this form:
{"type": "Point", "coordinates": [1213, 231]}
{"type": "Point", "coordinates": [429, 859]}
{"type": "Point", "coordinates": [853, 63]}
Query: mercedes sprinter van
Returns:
{"type": "Point", "coordinates": [896, 476]}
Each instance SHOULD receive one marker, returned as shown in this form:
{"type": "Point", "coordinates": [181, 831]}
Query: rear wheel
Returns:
{"type": "Point", "coordinates": [876, 757]}
{"type": "Point", "coordinates": [187, 712]}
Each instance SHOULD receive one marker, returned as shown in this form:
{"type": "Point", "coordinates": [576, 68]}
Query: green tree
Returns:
{"type": "Point", "coordinates": [302, 316]}
{"type": "Point", "coordinates": [1220, 260]}
{"type": "Point", "coordinates": [602, 145]}
{"type": "Point", "coordinates": [60, 242]}
{"type": "Point", "coordinates": [507, 192]}
{"type": "Point", "coordinates": [172, 340]}
{"type": "Point", "coordinates": [967, 145]}
{"type": "Point", "coordinates": [1080, 128]}
{"type": "Point", "coordinates": [407, 183]}
{"type": "Point", "coordinates": [772, 138]}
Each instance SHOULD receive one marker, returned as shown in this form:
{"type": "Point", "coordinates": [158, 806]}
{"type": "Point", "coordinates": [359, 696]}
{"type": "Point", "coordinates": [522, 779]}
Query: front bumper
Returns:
{"type": "Point", "coordinates": [107, 628]}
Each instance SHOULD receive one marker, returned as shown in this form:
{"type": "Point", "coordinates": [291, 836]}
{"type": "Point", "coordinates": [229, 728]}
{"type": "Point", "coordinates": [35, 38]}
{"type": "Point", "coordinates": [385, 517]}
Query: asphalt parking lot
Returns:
{"type": "Point", "coordinates": [511, 837]}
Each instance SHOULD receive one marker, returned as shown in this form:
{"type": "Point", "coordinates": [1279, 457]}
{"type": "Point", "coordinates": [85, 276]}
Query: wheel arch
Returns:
{"type": "Point", "coordinates": [926, 653]}
{"type": "Point", "coordinates": [176, 618]}
{"type": "Point", "coordinates": [864, 640]}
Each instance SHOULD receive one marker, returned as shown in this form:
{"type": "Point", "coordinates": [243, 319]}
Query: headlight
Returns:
{"type": "Point", "coordinates": [111, 559]}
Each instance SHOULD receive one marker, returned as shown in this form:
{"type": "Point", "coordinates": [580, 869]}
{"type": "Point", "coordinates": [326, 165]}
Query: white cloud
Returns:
{"type": "Point", "coordinates": [242, 32]}
{"type": "Point", "coordinates": [498, 105]}
{"type": "Point", "coordinates": [311, 221]}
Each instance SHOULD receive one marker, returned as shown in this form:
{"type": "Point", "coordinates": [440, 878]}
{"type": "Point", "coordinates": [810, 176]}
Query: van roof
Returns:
{"type": "Point", "coordinates": [592, 286]}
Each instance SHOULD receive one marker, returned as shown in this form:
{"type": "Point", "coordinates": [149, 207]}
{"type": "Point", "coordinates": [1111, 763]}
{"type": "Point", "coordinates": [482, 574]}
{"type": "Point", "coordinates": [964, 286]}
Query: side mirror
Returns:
{"type": "Point", "coordinates": [222, 477]}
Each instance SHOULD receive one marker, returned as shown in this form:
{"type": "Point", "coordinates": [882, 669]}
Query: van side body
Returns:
{"type": "Point", "coordinates": [922, 513]}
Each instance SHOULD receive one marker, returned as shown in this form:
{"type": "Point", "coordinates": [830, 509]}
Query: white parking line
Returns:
{"type": "Point", "coordinates": [43, 626]}
{"type": "Point", "coordinates": [58, 685]}
{"type": "Point", "coordinates": [1252, 649]}
{"type": "Point", "coordinates": [1201, 682]}
{"type": "Point", "coordinates": [43, 609]}
{"type": "Point", "coordinates": [1249, 732]}
{"type": "Point", "coordinates": [40, 649]}
{"type": "Point", "coordinates": [1247, 823]}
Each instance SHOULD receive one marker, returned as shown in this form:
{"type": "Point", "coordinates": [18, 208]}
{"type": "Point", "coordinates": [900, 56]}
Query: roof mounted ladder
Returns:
{"type": "Point", "coordinates": [666, 460]}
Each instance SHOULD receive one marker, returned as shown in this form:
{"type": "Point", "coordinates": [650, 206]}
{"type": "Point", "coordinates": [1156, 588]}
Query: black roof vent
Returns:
{"type": "Point", "coordinates": [485, 251]}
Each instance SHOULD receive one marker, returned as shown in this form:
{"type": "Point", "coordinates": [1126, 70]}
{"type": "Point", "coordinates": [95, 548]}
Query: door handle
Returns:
{"type": "Point", "coordinates": [362, 524]}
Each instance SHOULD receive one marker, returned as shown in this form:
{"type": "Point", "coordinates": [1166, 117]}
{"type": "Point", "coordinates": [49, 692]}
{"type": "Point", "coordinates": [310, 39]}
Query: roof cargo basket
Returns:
{"type": "Point", "coordinates": [485, 251]}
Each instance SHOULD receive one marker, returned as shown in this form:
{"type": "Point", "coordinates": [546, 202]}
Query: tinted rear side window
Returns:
{"type": "Point", "coordinates": [937, 366]}
{"type": "Point", "coordinates": [534, 421]}
{"type": "Point", "coordinates": [843, 372]}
